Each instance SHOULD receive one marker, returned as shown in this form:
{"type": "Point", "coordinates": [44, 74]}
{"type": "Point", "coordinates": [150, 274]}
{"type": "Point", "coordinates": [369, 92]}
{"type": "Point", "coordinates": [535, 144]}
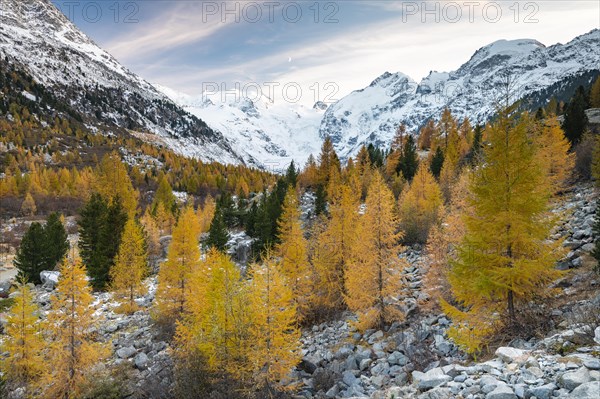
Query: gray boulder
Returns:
{"type": "Point", "coordinates": [49, 278]}
{"type": "Point", "coordinates": [573, 379]}
{"type": "Point", "coordinates": [431, 379]}
{"type": "Point", "coordinates": [126, 352]}
{"type": "Point", "coordinates": [141, 361]}
{"type": "Point", "coordinates": [544, 391]}
{"type": "Point", "coordinates": [588, 390]}
{"type": "Point", "coordinates": [512, 355]}
{"type": "Point", "coordinates": [502, 391]}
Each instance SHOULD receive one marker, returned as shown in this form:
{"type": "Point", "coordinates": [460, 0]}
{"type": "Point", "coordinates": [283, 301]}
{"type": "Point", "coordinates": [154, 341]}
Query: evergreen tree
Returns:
{"type": "Point", "coordinates": [291, 175]}
{"type": "Point", "coordinates": [250, 221]}
{"type": "Point", "coordinates": [409, 160]}
{"type": "Point", "coordinates": [109, 241]}
{"type": "Point", "coordinates": [30, 259]}
{"type": "Point", "coordinates": [23, 342]}
{"type": "Point", "coordinates": [56, 242]}
{"type": "Point", "coordinates": [226, 207]}
{"type": "Point", "coordinates": [437, 162]}
{"type": "Point", "coordinates": [218, 236]}
{"type": "Point", "coordinates": [91, 224]}
{"type": "Point", "coordinates": [320, 201]}
{"type": "Point", "coordinates": [100, 229]}
{"type": "Point", "coordinates": [475, 151]}
{"type": "Point", "coordinates": [576, 119]}
{"type": "Point", "coordinates": [72, 350]}
{"type": "Point", "coordinates": [540, 114]}
{"type": "Point", "coordinates": [504, 258]}
{"type": "Point", "coordinates": [130, 266]}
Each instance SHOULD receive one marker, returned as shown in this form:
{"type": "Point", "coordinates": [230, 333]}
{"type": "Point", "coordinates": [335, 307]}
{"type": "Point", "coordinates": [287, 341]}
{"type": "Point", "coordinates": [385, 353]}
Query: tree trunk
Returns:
{"type": "Point", "coordinates": [511, 308]}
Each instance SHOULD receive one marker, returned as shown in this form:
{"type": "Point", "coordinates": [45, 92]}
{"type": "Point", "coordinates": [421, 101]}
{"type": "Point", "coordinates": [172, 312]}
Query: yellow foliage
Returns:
{"type": "Point", "coordinates": [113, 180]}
{"type": "Point", "coordinates": [206, 214]}
{"type": "Point", "coordinates": [130, 266]}
{"type": "Point", "coordinates": [23, 341]}
{"type": "Point", "coordinates": [504, 255]}
{"type": "Point", "coordinates": [553, 152]}
{"type": "Point", "coordinates": [182, 262]}
{"type": "Point", "coordinates": [419, 205]}
{"type": "Point", "coordinates": [293, 253]}
{"type": "Point", "coordinates": [373, 277]}
{"type": "Point", "coordinates": [274, 335]}
{"type": "Point", "coordinates": [334, 248]}
{"type": "Point", "coordinates": [28, 207]}
{"type": "Point", "coordinates": [72, 350]}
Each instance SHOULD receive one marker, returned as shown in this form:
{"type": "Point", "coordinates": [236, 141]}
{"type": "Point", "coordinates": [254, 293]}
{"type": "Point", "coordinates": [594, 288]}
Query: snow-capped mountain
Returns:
{"type": "Point", "coordinates": [526, 67]}
{"type": "Point", "coordinates": [37, 38]}
{"type": "Point", "coordinates": [267, 133]}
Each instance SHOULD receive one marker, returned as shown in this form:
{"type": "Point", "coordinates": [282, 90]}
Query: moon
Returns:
{"type": "Point", "coordinates": [290, 59]}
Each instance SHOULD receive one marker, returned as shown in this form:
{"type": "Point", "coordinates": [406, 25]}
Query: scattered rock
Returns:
{"type": "Point", "coordinates": [502, 392]}
{"type": "Point", "coordinates": [573, 379]}
{"type": "Point", "coordinates": [512, 355]}
{"type": "Point", "coordinates": [430, 379]}
{"type": "Point", "coordinates": [588, 390]}
{"type": "Point", "coordinates": [141, 361]}
{"type": "Point", "coordinates": [126, 352]}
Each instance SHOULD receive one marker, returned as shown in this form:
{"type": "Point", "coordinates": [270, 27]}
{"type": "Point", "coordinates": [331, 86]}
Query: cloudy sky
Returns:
{"type": "Point", "coordinates": [326, 48]}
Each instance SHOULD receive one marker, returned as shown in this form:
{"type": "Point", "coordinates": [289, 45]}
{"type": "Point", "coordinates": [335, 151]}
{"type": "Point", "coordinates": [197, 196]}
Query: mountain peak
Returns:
{"type": "Point", "coordinates": [387, 78]}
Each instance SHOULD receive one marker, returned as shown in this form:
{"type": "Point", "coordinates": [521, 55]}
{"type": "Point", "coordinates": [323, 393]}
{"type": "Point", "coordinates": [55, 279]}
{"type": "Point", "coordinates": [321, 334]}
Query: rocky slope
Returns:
{"type": "Point", "coordinates": [415, 358]}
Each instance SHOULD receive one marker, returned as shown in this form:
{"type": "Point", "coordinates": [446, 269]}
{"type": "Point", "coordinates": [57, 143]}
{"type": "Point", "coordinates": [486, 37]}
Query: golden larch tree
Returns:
{"type": "Point", "coordinates": [373, 276]}
{"type": "Point", "coordinates": [419, 205]}
{"type": "Point", "coordinates": [274, 335]}
{"type": "Point", "coordinates": [444, 238]}
{"type": "Point", "coordinates": [553, 151]}
{"type": "Point", "coordinates": [131, 266]}
{"type": "Point", "coordinates": [504, 258]}
{"type": "Point", "coordinates": [293, 253]}
{"type": "Point", "coordinates": [334, 249]}
{"type": "Point", "coordinates": [23, 342]}
{"type": "Point", "coordinates": [112, 180]}
{"type": "Point", "coordinates": [152, 237]}
{"type": "Point", "coordinates": [217, 316]}
{"type": "Point", "coordinates": [183, 259]}
{"type": "Point", "coordinates": [206, 213]}
{"type": "Point", "coordinates": [72, 349]}
{"type": "Point", "coordinates": [164, 219]}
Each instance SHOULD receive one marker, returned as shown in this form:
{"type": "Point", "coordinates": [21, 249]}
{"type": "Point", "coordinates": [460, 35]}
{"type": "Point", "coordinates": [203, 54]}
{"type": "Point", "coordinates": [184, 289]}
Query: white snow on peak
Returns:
{"type": "Point", "coordinates": [273, 134]}
{"type": "Point", "coordinates": [371, 115]}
